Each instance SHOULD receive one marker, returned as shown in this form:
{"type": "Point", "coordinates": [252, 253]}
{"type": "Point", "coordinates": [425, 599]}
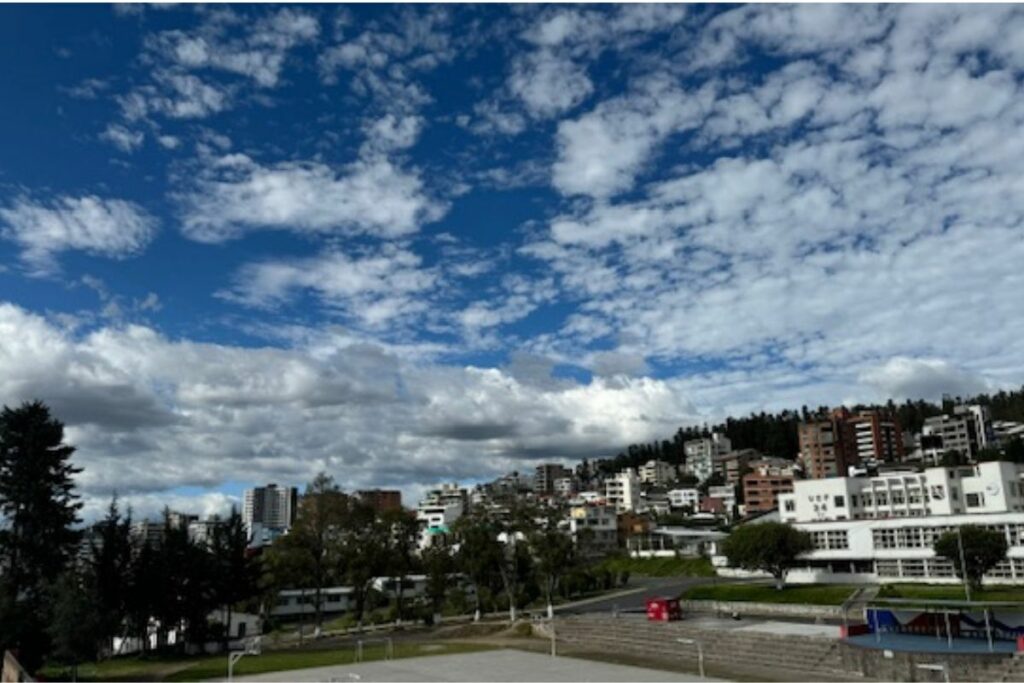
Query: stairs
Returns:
{"type": "Point", "coordinates": [727, 651]}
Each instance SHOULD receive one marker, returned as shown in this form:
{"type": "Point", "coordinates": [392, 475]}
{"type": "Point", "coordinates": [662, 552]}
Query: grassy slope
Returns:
{"type": "Point", "coordinates": [951, 592]}
{"type": "Point", "coordinates": [747, 592]}
{"type": "Point", "coordinates": [200, 668]}
{"type": "Point", "coordinates": [660, 566]}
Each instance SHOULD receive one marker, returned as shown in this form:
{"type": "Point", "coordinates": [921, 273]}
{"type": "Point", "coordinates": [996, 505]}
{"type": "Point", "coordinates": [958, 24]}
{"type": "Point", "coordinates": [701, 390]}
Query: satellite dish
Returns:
{"type": "Point", "coordinates": [992, 489]}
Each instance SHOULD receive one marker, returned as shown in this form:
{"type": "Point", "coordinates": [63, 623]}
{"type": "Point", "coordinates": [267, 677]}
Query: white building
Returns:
{"type": "Point", "coordinates": [623, 491]}
{"type": "Point", "coordinates": [565, 487]}
{"type": "Point", "coordinates": [657, 473]}
{"type": "Point", "coordinates": [883, 529]}
{"type": "Point", "coordinates": [594, 528]}
{"type": "Point", "coordinates": [682, 498]}
{"type": "Point", "coordinates": [700, 454]}
{"type": "Point", "coordinates": [725, 493]}
{"type": "Point", "coordinates": [1005, 430]}
{"type": "Point", "coordinates": [272, 506]}
{"type": "Point", "coordinates": [438, 510]}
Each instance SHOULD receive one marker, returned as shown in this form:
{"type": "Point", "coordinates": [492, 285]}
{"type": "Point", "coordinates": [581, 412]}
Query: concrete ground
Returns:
{"type": "Point", "coordinates": [494, 666]}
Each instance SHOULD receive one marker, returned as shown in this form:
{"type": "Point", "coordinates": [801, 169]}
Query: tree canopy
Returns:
{"type": "Point", "coordinates": [770, 547]}
{"type": "Point", "coordinates": [983, 549]}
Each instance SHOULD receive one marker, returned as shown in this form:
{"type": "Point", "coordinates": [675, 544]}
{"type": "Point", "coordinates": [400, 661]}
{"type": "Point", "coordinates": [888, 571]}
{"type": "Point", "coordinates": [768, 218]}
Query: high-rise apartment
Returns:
{"type": "Point", "coordinates": [830, 445]}
{"type": "Point", "coordinates": [270, 507]}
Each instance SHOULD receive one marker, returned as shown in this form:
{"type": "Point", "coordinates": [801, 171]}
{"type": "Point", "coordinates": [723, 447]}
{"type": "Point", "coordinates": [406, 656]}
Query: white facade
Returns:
{"type": "Point", "coordinates": [726, 493]}
{"type": "Point", "coordinates": [988, 487]}
{"type": "Point", "coordinates": [436, 519]}
{"type": "Point", "coordinates": [681, 498]}
{"type": "Point", "coordinates": [657, 473]}
{"type": "Point", "coordinates": [700, 454]}
{"type": "Point", "coordinates": [623, 491]}
{"type": "Point", "coordinates": [948, 433]}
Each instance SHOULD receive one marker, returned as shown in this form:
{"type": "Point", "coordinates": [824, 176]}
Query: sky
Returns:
{"type": "Point", "coordinates": [413, 244]}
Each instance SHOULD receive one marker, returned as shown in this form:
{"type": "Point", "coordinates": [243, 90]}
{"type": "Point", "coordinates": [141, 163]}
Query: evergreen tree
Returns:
{"type": "Point", "coordinates": [236, 575]}
{"type": "Point", "coordinates": [39, 507]}
{"type": "Point", "coordinates": [75, 621]}
{"type": "Point", "coordinates": [109, 571]}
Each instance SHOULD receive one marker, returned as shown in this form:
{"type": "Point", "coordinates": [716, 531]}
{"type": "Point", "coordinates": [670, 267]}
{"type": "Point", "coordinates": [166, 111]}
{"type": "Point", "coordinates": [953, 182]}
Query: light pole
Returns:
{"type": "Point", "coordinates": [942, 668]}
{"type": "Point", "coordinates": [700, 652]}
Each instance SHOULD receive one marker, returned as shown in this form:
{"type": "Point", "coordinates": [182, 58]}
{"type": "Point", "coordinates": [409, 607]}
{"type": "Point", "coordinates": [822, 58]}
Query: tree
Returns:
{"type": "Point", "coordinates": [770, 547]}
{"type": "Point", "coordinates": [983, 549]}
{"type": "Point", "coordinates": [479, 552]}
{"type": "Point", "coordinates": [39, 507]}
{"type": "Point", "coordinates": [75, 621]}
{"type": "Point", "coordinates": [303, 554]}
{"type": "Point", "coordinates": [403, 529]}
{"type": "Point", "coordinates": [361, 550]}
{"type": "Point", "coordinates": [109, 571]}
{"type": "Point", "coordinates": [236, 575]}
{"type": "Point", "coordinates": [438, 564]}
{"type": "Point", "coordinates": [553, 553]}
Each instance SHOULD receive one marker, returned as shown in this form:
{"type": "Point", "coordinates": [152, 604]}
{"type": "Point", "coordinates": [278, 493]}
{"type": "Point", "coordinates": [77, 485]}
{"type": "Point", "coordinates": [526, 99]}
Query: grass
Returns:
{"type": "Point", "coordinates": [215, 666]}
{"type": "Point", "coordinates": [660, 566]}
{"type": "Point", "coordinates": [951, 592]}
{"type": "Point", "coordinates": [752, 592]}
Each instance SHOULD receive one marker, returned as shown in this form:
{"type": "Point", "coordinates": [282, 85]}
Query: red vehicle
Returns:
{"type": "Point", "coordinates": [663, 609]}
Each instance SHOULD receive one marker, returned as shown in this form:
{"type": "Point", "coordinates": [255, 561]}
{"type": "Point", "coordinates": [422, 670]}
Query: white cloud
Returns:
{"type": "Point", "coordinates": [122, 138]}
{"type": "Point", "coordinates": [601, 152]}
{"type": "Point", "coordinates": [149, 414]}
{"type": "Point", "coordinates": [369, 196]}
{"type": "Point", "coordinates": [930, 378]}
{"type": "Point", "coordinates": [548, 84]}
{"type": "Point", "coordinates": [372, 289]}
{"type": "Point", "coordinates": [107, 227]}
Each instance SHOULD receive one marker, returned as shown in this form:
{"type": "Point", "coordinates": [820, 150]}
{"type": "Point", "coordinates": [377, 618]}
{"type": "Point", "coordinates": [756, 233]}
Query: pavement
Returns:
{"type": "Point", "coordinates": [632, 599]}
{"type": "Point", "coordinates": [494, 666]}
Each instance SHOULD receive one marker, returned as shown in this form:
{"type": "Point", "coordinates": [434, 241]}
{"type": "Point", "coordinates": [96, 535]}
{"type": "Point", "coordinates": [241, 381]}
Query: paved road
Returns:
{"type": "Point", "coordinates": [640, 588]}
{"type": "Point", "coordinates": [495, 666]}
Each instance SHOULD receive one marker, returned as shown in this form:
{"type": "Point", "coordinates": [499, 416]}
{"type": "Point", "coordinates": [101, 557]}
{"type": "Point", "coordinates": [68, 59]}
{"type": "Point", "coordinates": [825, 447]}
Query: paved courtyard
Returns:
{"type": "Point", "coordinates": [492, 666]}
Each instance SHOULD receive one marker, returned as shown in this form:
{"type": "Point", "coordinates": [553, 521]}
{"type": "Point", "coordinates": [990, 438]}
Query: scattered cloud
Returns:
{"type": "Point", "coordinates": [107, 227]}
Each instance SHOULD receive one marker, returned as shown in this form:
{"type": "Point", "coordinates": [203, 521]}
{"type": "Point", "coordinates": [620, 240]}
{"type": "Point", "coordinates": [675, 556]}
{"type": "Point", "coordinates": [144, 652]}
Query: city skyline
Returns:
{"type": "Point", "coordinates": [407, 245]}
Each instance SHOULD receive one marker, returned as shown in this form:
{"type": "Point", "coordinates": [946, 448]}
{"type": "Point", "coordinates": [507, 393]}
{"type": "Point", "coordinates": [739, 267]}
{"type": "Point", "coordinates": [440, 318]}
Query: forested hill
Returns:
{"type": "Point", "coordinates": [776, 433]}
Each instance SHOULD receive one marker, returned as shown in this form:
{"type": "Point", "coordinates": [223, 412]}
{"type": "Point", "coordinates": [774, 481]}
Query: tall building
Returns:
{"type": "Point", "coordinates": [831, 445]}
{"type": "Point", "coordinates": [732, 465]}
{"type": "Point", "coordinates": [700, 454]}
{"type": "Point", "coordinates": [623, 491]}
{"type": "Point", "coordinates": [270, 507]}
{"type": "Point", "coordinates": [546, 476]}
{"type": "Point", "coordinates": [381, 500]}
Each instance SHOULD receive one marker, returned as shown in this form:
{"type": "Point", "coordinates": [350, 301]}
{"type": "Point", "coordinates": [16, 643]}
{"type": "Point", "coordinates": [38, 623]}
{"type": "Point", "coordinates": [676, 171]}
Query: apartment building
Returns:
{"type": "Point", "coordinates": [381, 500]}
{"type": "Point", "coordinates": [270, 506]}
{"type": "Point", "coordinates": [438, 511]}
{"type": "Point", "coordinates": [657, 473]}
{"type": "Point", "coordinates": [768, 478]}
{"type": "Point", "coordinates": [684, 498]}
{"type": "Point", "coordinates": [731, 465]}
{"type": "Point", "coordinates": [831, 445]}
{"type": "Point", "coordinates": [700, 454]}
{"type": "Point", "coordinates": [546, 475]}
{"type": "Point", "coordinates": [883, 528]}
{"type": "Point", "coordinates": [720, 500]}
{"type": "Point", "coordinates": [623, 491]}
{"type": "Point", "coordinates": [594, 529]}
{"type": "Point", "coordinates": [565, 487]}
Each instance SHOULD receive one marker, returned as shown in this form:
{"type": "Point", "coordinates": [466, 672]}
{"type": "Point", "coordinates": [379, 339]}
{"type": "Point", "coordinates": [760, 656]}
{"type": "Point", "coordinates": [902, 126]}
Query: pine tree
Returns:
{"type": "Point", "coordinates": [39, 507]}
{"type": "Point", "coordinates": [236, 575]}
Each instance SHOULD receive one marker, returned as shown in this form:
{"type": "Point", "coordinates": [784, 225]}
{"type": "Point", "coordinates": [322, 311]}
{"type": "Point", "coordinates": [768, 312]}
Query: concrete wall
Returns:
{"type": "Point", "coordinates": [902, 666]}
{"type": "Point", "coordinates": [762, 609]}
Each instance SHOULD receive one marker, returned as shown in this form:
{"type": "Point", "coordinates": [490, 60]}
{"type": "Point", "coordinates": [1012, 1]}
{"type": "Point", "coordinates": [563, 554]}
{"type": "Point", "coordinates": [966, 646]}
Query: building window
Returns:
{"type": "Point", "coordinates": [837, 540]}
{"type": "Point", "coordinates": [840, 501]}
{"type": "Point", "coordinates": [790, 507]}
{"type": "Point", "coordinates": [974, 500]}
{"type": "Point", "coordinates": [897, 497]}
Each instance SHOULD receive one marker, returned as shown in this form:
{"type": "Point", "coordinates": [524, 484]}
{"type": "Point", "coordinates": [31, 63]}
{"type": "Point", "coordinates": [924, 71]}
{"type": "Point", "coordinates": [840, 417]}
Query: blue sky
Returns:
{"type": "Point", "coordinates": [241, 244]}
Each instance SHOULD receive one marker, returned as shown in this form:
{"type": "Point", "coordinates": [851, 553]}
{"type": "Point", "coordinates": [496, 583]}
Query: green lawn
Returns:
{"type": "Point", "coordinates": [201, 668]}
{"type": "Point", "coordinates": [660, 566]}
{"type": "Point", "coordinates": [752, 592]}
{"type": "Point", "coordinates": [951, 592]}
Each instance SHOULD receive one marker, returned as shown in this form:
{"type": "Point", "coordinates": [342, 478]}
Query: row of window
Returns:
{"type": "Point", "coordinates": [830, 540]}
{"type": "Point", "coordinates": [938, 568]}
{"type": "Point", "coordinates": [925, 537]}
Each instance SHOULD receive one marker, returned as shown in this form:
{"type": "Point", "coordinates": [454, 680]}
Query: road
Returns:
{"type": "Point", "coordinates": [639, 589]}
